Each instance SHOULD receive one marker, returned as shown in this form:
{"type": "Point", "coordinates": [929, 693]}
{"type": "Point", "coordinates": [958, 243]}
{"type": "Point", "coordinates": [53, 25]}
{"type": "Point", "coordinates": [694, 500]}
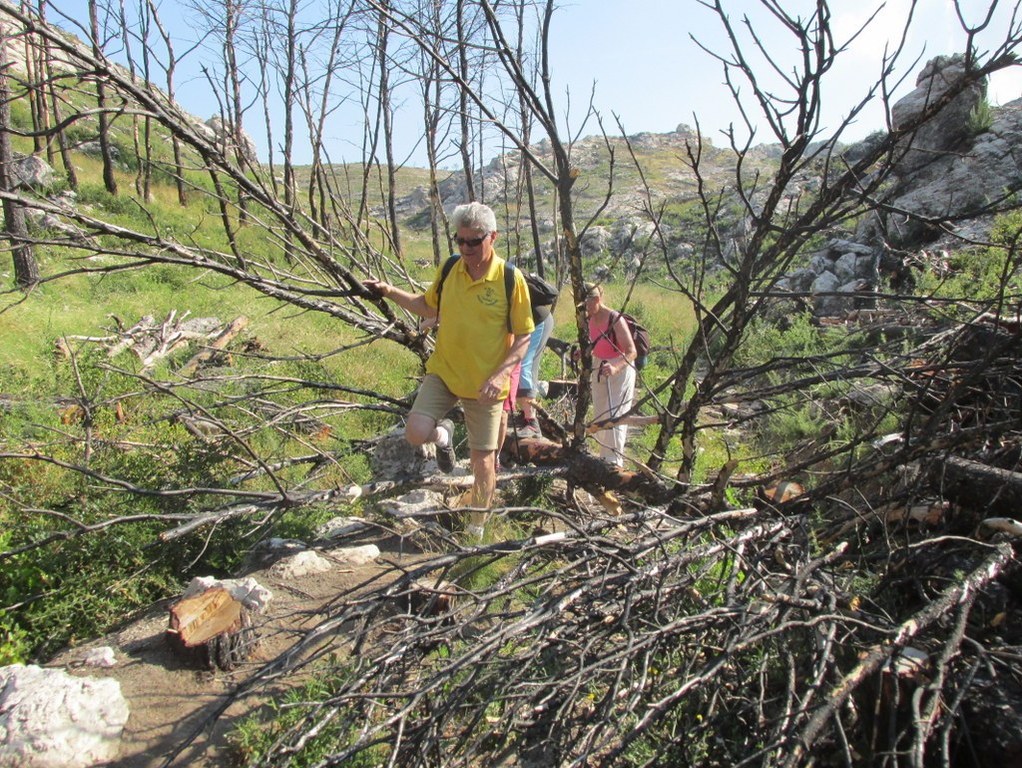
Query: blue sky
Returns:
{"type": "Point", "coordinates": [646, 69]}
{"type": "Point", "coordinates": [649, 71]}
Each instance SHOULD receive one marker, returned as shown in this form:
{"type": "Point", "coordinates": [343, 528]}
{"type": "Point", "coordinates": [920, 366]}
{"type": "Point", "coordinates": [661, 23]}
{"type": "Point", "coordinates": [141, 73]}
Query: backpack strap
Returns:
{"type": "Point", "coordinates": [444, 272]}
{"type": "Point", "coordinates": [509, 287]}
{"type": "Point", "coordinates": [609, 334]}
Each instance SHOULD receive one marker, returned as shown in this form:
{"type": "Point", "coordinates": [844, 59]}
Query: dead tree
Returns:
{"type": "Point", "coordinates": [54, 105]}
{"type": "Point", "coordinates": [170, 66]}
{"type": "Point", "coordinates": [105, 147]}
{"type": "Point", "coordinates": [776, 230]}
{"type": "Point", "coordinates": [26, 270]}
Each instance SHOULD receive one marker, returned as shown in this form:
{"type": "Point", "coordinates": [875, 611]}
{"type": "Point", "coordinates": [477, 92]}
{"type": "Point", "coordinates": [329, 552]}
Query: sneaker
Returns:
{"type": "Point", "coordinates": [531, 429]}
{"type": "Point", "coordinates": [445, 458]}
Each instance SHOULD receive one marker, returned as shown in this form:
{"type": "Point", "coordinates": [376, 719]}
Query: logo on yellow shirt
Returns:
{"type": "Point", "coordinates": [488, 297]}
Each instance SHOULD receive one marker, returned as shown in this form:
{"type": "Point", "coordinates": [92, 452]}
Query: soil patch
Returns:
{"type": "Point", "coordinates": [171, 701]}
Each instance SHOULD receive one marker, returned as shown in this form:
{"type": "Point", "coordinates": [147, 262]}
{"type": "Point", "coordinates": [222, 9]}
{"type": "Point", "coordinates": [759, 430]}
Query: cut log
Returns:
{"type": "Point", "coordinates": [211, 629]}
{"type": "Point", "coordinates": [976, 486]}
{"type": "Point", "coordinates": [219, 343]}
{"type": "Point", "coordinates": [783, 492]}
{"type": "Point", "coordinates": [587, 471]}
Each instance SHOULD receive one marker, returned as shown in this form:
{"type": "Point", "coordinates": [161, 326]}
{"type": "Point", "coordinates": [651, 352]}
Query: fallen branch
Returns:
{"type": "Point", "coordinates": [978, 486]}
{"type": "Point", "coordinates": [220, 342]}
{"type": "Point", "coordinates": [588, 471]}
{"type": "Point", "coordinates": [631, 421]}
{"type": "Point", "coordinates": [880, 653]}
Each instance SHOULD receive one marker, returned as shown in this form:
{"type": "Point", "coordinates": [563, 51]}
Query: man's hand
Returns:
{"type": "Point", "coordinates": [489, 392]}
{"type": "Point", "coordinates": [377, 288]}
{"type": "Point", "coordinates": [605, 370]}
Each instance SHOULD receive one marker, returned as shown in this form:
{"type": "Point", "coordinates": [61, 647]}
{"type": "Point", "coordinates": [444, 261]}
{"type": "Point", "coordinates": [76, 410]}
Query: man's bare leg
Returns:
{"type": "Point", "coordinates": [484, 484]}
{"type": "Point", "coordinates": [420, 429]}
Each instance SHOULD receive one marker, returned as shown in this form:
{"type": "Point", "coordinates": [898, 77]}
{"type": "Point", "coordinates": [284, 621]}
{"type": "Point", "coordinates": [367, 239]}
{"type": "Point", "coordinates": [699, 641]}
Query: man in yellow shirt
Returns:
{"type": "Point", "coordinates": [475, 349]}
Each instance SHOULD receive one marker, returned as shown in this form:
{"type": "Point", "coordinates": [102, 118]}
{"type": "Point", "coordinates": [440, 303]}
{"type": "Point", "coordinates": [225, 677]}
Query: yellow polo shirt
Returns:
{"type": "Point", "coordinates": [472, 338]}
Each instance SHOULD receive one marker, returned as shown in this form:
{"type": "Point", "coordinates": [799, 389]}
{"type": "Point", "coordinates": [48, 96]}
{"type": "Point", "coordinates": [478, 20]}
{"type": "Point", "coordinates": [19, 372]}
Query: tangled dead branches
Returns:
{"type": "Point", "coordinates": [646, 640]}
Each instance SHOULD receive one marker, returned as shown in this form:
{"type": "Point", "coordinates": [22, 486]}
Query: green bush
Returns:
{"type": "Point", "coordinates": [21, 116]}
{"type": "Point", "coordinates": [70, 583]}
{"type": "Point", "coordinates": [982, 274]}
{"type": "Point", "coordinates": [981, 117]}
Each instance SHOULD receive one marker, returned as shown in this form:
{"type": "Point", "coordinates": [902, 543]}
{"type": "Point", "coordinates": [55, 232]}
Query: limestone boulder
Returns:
{"type": "Point", "coordinates": [950, 127]}
{"type": "Point", "coordinates": [50, 719]}
{"type": "Point", "coordinates": [31, 172]}
{"type": "Point", "coordinates": [960, 184]}
{"type": "Point", "coordinates": [394, 459]}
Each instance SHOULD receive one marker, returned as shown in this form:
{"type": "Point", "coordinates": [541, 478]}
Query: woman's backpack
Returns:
{"type": "Point", "coordinates": [640, 337]}
{"type": "Point", "coordinates": [542, 294]}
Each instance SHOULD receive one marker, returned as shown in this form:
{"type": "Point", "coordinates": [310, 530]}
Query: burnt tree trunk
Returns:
{"type": "Point", "coordinates": [26, 270]}
{"type": "Point", "coordinates": [585, 470]}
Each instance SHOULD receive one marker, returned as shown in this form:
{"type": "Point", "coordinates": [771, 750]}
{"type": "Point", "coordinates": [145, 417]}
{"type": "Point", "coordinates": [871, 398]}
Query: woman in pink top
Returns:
{"type": "Point", "coordinates": [613, 376]}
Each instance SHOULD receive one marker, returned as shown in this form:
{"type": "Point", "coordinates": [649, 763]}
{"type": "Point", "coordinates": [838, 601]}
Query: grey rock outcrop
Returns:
{"type": "Point", "coordinates": [949, 128]}
{"type": "Point", "coordinates": [836, 277]}
{"type": "Point", "coordinates": [95, 149]}
{"type": "Point", "coordinates": [223, 134]}
{"type": "Point", "coordinates": [596, 240]}
{"type": "Point", "coordinates": [66, 201]}
{"type": "Point", "coordinates": [960, 184]}
{"type": "Point", "coordinates": [31, 172]}
{"type": "Point", "coordinates": [947, 172]}
{"type": "Point", "coordinates": [50, 719]}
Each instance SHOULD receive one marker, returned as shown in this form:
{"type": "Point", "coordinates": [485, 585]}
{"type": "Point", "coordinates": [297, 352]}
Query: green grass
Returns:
{"type": "Point", "coordinates": [54, 595]}
{"type": "Point", "coordinates": [285, 358]}
{"type": "Point", "coordinates": [256, 734]}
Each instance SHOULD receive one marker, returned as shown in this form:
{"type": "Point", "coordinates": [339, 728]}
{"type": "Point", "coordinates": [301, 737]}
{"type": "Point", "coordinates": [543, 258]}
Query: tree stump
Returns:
{"type": "Point", "coordinates": [211, 629]}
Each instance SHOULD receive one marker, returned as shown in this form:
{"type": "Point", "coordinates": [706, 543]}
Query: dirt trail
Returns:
{"type": "Point", "coordinates": [170, 700]}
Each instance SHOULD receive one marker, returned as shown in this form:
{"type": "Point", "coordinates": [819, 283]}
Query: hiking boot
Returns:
{"type": "Point", "coordinates": [530, 429]}
{"type": "Point", "coordinates": [445, 458]}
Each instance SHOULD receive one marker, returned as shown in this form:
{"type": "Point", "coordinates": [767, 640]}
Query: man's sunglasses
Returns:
{"type": "Point", "coordinates": [471, 242]}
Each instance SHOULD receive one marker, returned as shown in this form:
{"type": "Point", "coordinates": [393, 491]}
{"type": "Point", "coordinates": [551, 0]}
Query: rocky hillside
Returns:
{"type": "Point", "coordinates": [951, 179]}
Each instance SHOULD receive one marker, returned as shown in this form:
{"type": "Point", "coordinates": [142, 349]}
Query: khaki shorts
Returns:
{"type": "Point", "coordinates": [482, 421]}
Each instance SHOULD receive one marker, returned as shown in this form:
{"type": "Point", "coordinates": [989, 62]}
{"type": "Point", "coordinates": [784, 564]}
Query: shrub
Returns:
{"type": "Point", "coordinates": [981, 117]}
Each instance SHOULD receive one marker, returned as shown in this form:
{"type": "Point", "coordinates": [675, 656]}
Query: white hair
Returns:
{"type": "Point", "coordinates": [475, 216]}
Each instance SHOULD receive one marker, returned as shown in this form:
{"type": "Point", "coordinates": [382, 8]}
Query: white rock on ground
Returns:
{"type": "Point", "coordinates": [103, 656]}
{"type": "Point", "coordinates": [303, 564]}
{"type": "Point", "coordinates": [362, 555]}
{"type": "Point", "coordinates": [311, 562]}
{"type": "Point", "coordinates": [49, 719]}
{"type": "Point", "coordinates": [420, 500]}
{"type": "Point", "coordinates": [249, 592]}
